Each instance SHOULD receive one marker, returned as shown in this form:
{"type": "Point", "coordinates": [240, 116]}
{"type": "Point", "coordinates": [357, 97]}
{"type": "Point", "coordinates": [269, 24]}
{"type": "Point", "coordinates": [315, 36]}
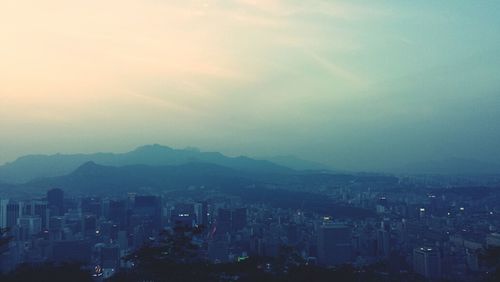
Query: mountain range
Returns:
{"type": "Point", "coordinates": [451, 166]}
{"type": "Point", "coordinates": [32, 167]}
{"type": "Point", "coordinates": [95, 179]}
{"type": "Point", "coordinates": [28, 168]}
{"type": "Point", "coordinates": [296, 163]}
{"type": "Point", "coordinates": [92, 178]}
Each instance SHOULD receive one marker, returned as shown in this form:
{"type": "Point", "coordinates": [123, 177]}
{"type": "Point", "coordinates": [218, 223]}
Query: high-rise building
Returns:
{"type": "Point", "coordinates": [383, 243]}
{"type": "Point", "coordinates": [231, 220]}
{"type": "Point", "coordinates": [92, 206]}
{"type": "Point", "coordinates": [110, 257]}
{"type": "Point", "coordinates": [37, 208]}
{"type": "Point", "coordinates": [3, 213]}
{"type": "Point", "coordinates": [9, 213]}
{"type": "Point", "coordinates": [89, 225]}
{"type": "Point", "coordinates": [56, 223]}
{"type": "Point", "coordinates": [55, 199]}
{"type": "Point", "coordinates": [117, 212]}
{"type": "Point", "coordinates": [204, 217]}
{"type": "Point", "coordinates": [148, 209]}
{"type": "Point", "coordinates": [201, 211]}
{"type": "Point", "coordinates": [146, 205]}
{"type": "Point", "coordinates": [427, 262]}
{"type": "Point", "coordinates": [183, 214]}
{"type": "Point", "coordinates": [29, 226]}
{"type": "Point", "coordinates": [223, 222]}
{"type": "Point", "coordinates": [493, 240]}
{"type": "Point", "coordinates": [239, 219]}
{"type": "Point", "coordinates": [384, 239]}
{"type": "Point", "coordinates": [334, 244]}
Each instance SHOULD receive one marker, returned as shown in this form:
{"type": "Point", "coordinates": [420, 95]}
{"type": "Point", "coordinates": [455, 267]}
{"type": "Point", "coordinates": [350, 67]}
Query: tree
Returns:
{"type": "Point", "coordinates": [174, 257]}
{"type": "Point", "coordinates": [174, 246]}
{"type": "Point", "coordinates": [490, 258]}
{"type": "Point", "coordinates": [5, 238]}
{"type": "Point", "coordinates": [48, 272]}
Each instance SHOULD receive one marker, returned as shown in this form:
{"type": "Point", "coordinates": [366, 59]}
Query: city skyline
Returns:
{"type": "Point", "coordinates": [249, 140]}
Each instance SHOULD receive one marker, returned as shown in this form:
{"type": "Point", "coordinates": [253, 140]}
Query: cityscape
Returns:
{"type": "Point", "coordinates": [385, 227]}
{"type": "Point", "coordinates": [249, 141]}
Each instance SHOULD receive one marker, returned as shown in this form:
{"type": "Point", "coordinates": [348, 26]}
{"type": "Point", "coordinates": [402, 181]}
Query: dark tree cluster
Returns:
{"type": "Point", "coordinates": [48, 272]}
{"type": "Point", "coordinates": [175, 258]}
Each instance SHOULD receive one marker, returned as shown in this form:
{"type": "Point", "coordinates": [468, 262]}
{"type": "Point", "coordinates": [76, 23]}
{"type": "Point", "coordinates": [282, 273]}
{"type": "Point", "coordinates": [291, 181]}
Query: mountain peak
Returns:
{"type": "Point", "coordinates": [152, 155]}
{"type": "Point", "coordinates": [88, 166]}
{"type": "Point", "coordinates": [297, 163]}
{"type": "Point", "coordinates": [152, 148]}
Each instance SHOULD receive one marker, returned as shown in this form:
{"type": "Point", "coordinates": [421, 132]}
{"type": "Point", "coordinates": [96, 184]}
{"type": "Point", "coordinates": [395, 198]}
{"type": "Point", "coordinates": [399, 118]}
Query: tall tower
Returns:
{"type": "Point", "coordinates": [55, 199]}
{"type": "Point", "coordinates": [9, 213]}
{"type": "Point", "coordinates": [384, 239]}
{"type": "Point", "coordinates": [427, 262]}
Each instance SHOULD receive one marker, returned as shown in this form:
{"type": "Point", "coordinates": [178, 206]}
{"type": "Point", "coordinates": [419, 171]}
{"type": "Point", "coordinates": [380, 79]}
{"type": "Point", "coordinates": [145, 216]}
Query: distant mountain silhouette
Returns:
{"type": "Point", "coordinates": [95, 179]}
{"type": "Point", "coordinates": [92, 178]}
{"type": "Point", "coordinates": [297, 163]}
{"type": "Point", "coordinates": [32, 167]}
{"type": "Point", "coordinates": [452, 166]}
{"type": "Point", "coordinates": [6, 189]}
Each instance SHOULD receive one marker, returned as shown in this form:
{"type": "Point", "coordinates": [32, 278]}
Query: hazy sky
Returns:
{"type": "Point", "coordinates": [354, 84]}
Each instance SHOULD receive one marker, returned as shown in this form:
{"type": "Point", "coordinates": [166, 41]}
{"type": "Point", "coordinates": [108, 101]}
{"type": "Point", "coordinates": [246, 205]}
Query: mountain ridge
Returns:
{"type": "Point", "coordinates": [30, 167]}
{"type": "Point", "coordinates": [93, 178]}
{"type": "Point", "coordinates": [451, 166]}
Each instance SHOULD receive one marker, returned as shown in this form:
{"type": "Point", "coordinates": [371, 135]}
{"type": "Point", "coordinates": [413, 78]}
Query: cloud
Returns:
{"type": "Point", "coordinates": [339, 72]}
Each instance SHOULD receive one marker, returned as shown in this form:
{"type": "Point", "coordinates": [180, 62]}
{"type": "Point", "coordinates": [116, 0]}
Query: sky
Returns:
{"type": "Point", "coordinates": [362, 85]}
